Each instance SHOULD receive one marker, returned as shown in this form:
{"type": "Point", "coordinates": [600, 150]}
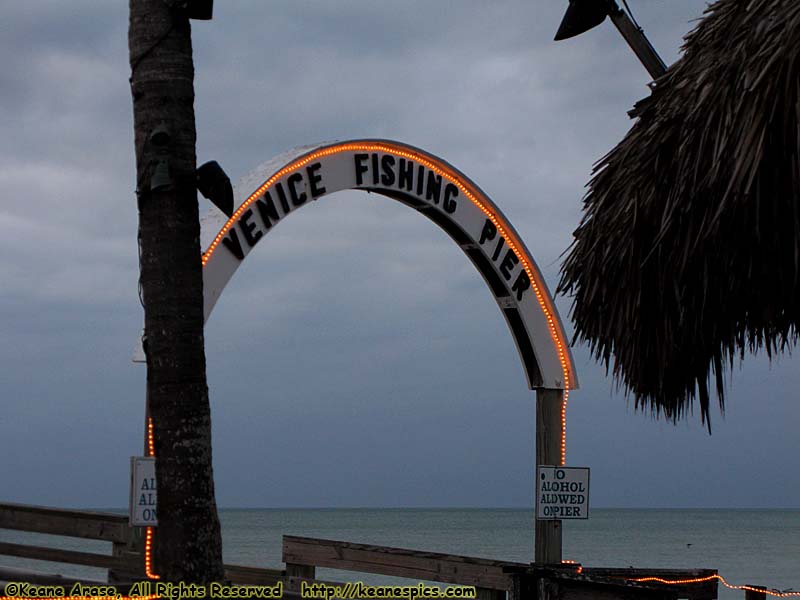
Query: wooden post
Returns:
{"type": "Point", "coordinates": [133, 552]}
{"type": "Point", "coordinates": [755, 595]}
{"type": "Point", "coordinates": [482, 593]}
{"type": "Point", "coordinates": [547, 548]}
{"type": "Point", "coordinates": [301, 571]}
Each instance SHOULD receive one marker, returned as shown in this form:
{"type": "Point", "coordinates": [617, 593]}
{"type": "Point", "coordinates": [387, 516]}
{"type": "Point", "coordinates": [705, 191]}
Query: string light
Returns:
{"type": "Point", "coordinates": [148, 555]}
{"type": "Point", "coordinates": [150, 534]}
{"type": "Point", "coordinates": [746, 588]}
{"type": "Point", "coordinates": [720, 578]}
{"type": "Point", "coordinates": [151, 448]}
{"type": "Point", "coordinates": [472, 194]}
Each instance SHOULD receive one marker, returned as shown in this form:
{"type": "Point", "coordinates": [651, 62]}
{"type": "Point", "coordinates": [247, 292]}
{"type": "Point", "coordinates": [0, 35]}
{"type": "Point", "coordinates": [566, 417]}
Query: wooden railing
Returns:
{"type": "Point", "coordinates": [125, 564]}
{"type": "Point", "coordinates": [493, 580]}
{"type": "Point", "coordinates": [302, 555]}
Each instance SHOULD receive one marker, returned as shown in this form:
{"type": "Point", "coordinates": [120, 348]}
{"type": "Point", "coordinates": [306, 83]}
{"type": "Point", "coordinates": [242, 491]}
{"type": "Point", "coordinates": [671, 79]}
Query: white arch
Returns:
{"type": "Point", "coordinates": [432, 187]}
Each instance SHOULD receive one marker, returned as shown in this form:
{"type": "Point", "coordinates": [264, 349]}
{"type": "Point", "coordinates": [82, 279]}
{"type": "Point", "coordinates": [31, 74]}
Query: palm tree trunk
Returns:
{"type": "Point", "coordinates": [188, 546]}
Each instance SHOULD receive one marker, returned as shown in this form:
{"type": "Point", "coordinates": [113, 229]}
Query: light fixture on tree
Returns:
{"type": "Point", "coordinates": [160, 139]}
{"type": "Point", "coordinates": [161, 180]}
{"type": "Point", "coordinates": [215, 185]}
{"type": "Point", "coordinates": [583, 15]}
{"type": "Point", "coordinates": [161, 135]}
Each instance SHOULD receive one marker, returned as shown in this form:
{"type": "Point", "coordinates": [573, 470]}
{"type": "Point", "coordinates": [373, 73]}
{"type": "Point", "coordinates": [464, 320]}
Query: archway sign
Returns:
{"type": "Point", "coordinates": [442, 193]}
{"type": "Point", "coordinates": [425, 183]}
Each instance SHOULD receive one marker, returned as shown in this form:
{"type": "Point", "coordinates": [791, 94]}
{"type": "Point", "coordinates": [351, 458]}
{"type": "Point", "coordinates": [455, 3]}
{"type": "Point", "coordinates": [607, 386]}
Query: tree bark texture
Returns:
{"type": "Point", "coordinates": [187, 542]}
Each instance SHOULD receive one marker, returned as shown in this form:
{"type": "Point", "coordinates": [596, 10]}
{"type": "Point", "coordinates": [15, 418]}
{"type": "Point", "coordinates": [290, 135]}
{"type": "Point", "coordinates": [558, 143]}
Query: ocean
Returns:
{"type": "Point", "coordinates": [755, 547]}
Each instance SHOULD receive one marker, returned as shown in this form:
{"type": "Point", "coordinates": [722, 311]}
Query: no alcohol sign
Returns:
{"type": "Point", "coordinates": [562, 493]}
{"type": "Point", "coordinates": [144, 492]}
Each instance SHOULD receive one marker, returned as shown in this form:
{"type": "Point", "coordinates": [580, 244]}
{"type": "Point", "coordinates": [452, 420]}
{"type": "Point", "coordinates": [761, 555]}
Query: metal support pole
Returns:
{"type": "Point", "coordinates": [547, 548]}
{"type": "Point", "coordinates": [638, 42]}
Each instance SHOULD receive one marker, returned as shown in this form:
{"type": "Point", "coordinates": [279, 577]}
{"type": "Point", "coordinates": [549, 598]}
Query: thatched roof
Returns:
{"type": "Point", "coordinates": [688, 253]}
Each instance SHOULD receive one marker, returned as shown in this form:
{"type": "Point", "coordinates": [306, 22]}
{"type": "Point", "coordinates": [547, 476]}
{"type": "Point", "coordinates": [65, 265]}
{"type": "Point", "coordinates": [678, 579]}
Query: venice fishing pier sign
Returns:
{"type": "Point", "coordinates": [430, 186]}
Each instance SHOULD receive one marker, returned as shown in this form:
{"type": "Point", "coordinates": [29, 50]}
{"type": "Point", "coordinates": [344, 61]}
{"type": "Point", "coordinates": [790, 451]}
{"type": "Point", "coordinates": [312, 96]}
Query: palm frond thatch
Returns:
{"type": "Point", "coordinates": [689, 248]}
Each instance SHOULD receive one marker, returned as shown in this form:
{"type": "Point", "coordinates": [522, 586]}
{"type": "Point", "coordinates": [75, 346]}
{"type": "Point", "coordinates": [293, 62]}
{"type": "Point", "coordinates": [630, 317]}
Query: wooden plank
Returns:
{"type": "Point", "coordinates": [487, 594]}
{"type": "Point", "coordinates": [128, 565]}
{"type": "Point", "coordinates": [72, 523]}
{"type": "Point", "coordinates": [300, 571]}
{"type": "Point", "coordinates": [252, 575]}
{"type": "Point", "coordinates": [398, 562]}
{"type": "Point", "coordinates": [393, 550]}
{"type": "Point", "coordinates": [293, 585]}
{"type": "Point", "coordinates": [415, 569]}
{"type": "Point", "coordinates": [134, 561]}
{"type": "Point", "coordinates": [71, 557]}
{"type": "Point", "coordinates": [705, 590]}
{"type": "Point", "coordinates": [547, 534]}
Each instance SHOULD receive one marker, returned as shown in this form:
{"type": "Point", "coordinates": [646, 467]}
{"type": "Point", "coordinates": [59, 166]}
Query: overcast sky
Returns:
{"type": "Point", "coordinates": [356, 358]}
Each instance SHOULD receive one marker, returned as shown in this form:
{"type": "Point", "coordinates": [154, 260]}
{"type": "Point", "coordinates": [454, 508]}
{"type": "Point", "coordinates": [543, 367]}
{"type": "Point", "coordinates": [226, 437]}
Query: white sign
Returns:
{"type": "Point", "coordinates": [562, 493]}
{"type": "Point", "coordinates": [423, 182]}
{"type": "Point", "coordinates": [144, 498]}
